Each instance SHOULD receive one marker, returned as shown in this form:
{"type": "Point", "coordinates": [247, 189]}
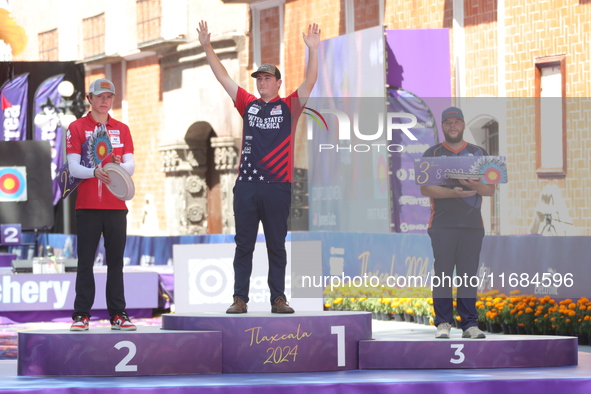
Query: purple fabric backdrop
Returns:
{"type": "Point", "coordinates": [13, 117]}
{"type": "Point", "coordinates": [422, 78]}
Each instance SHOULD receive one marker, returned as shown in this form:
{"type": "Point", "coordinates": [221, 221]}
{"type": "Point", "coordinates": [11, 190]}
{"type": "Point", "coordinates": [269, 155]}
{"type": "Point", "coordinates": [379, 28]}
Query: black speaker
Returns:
{"type": "Point", "coordinates": [298, 220]}
{"type": "Point", "coordinates": [37, 211]}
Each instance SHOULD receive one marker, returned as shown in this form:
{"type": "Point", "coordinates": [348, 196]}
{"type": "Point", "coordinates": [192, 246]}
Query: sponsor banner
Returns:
{"type": "Point", "coordinates": [13, 117]}
{"type": "Point", "coordinates": [204, 279]}
{"type": "Point", "coordinates": [48, 126]}
{"type": "Point", "coordinates": [364, 260]}
{"type": "Point", "coordinates": [347, 142]}
{"type": "Point", "coordinates": [50, 292]}
{"type": "Point", "coordinates": [529, 264]}
{"type": "Point", "coordinates": [424, 90]}
{"type": "Point", "coordinates": [410, 209]}
{"type": "Point", "coordinates": [139, 250]}
{"type": "Point", "coordinates": [532, 264]}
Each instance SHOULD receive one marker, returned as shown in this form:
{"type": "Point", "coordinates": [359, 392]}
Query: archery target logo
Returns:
{"type": "Point", "coordinates": [210, 281]}
{"type": "Point", "coordinates": [101, 149]}
{"type": "Point", "coordinates": [13, 184]}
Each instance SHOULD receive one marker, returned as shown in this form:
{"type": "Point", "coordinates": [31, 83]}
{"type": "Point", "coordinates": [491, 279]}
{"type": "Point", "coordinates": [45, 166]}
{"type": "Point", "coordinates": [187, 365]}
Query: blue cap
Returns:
{"type": "Point", "coordinates": [452, 111]}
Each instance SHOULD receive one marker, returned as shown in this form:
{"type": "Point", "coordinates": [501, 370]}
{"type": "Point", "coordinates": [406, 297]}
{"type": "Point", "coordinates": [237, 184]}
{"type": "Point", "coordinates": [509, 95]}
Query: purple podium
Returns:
{"type": "Point", "coordinates": [266, 342]}
{"type": "Point", "coordinates": [496, 351]}
{"type": "Point", "coordinates": [105, 352]}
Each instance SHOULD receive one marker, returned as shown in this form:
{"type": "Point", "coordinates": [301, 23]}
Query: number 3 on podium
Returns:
{"type": "Point", "coordinates": [10, 234]}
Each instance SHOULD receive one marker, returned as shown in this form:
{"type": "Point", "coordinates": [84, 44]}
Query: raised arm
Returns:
{"type": "Point", "coordinates": [312, 39]}
{"type": "Point", "coordinates": [217, 67]}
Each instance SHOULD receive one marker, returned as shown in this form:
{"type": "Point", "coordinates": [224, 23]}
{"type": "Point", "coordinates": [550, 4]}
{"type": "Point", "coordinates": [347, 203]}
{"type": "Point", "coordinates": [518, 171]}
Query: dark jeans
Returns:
{"type": "Point", "coordinates": [268, 203]}
{"type": "Point", "coordinates": [112, 224]}
{"type": "Point", "coordinates": [459, 249]}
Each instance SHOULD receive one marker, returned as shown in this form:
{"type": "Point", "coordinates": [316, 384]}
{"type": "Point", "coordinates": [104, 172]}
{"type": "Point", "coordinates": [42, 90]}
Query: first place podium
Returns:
{"type": "Point", "coordinates": [300, 342]}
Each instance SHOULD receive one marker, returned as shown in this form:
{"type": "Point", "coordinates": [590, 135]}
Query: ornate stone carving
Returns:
{"type": "Point", "coordinates": [194, 184]}
{"type": "Point", "coordinates": [226, 162]}
{"type": "Point", "coordinates": [195, 213]}
{"type": "Point", "coordinates": [227, 183]}
{"type": "Point", "coordinates": [226, 158]}
{"type": "Point", "coordinates": [185, 167]}
{"type": "Point", "coordinates": [225, 153]}
{"type": "Point", "coordinates": [196, 230]}
{"type": "Point", "coordinates": [176, 158]}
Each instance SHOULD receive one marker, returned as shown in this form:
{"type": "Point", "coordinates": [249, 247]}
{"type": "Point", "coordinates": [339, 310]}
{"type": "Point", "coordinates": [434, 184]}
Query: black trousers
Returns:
{"type": "Point", "coordinates": [112, 225]}
{"type": "Point", "coordinates": [459, 249]}
{"type": "Point", "coordinates": [268, 203]}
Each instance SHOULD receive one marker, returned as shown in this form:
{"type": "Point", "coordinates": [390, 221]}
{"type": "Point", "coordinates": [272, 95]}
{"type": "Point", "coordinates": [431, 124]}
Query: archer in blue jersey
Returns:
{"type": "Point", "coordinates": [262, 193]}
{"type": "Point", "coordinates": [456, 231]}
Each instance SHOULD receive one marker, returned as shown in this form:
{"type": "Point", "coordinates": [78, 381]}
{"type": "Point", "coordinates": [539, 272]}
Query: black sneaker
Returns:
{"type": "Point", "coordinates": [121, 322]}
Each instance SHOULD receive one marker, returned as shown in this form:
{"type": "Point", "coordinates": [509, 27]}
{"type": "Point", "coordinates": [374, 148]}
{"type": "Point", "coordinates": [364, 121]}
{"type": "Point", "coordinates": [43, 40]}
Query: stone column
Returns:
{"type": "Point", "coordinates": [226, 158]}
{"type": "Point", "coordinates": [186, 190]}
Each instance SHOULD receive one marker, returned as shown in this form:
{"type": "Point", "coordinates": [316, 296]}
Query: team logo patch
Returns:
{"type": "Point", "coordinates": [253, 110]}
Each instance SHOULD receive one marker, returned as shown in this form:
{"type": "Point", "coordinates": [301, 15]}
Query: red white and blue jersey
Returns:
{"type": "Point", "coordinates": [267, 138]}
{"type": "Point", "coordinates": [456, 212]}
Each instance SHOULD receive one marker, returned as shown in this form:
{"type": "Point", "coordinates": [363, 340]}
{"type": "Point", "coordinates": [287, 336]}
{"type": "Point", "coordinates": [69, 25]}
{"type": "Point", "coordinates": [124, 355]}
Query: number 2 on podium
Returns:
{"type": "Point", "coordinates": [123, 365]}
{"type": "Point", "coordinates": [340, 333]}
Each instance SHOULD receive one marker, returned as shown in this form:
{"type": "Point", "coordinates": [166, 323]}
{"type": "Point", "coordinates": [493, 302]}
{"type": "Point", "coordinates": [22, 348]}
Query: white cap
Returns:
{"type": "Point", "coordinates": [101, 86]}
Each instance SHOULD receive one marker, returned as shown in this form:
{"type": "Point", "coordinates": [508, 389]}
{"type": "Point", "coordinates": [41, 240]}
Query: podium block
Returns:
{"type": "Point", "coordinates": [106, 352]}
{"type": "Point", "coordinates": [496, 351]}
{"type": "Point", "coordinates": [266, 342]}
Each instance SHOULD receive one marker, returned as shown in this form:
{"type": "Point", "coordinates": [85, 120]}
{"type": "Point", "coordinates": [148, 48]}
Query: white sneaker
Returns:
{"type": "Point", "coordinates": [473, 332]}
{"type": "Point", "coordinates": [443, 330]}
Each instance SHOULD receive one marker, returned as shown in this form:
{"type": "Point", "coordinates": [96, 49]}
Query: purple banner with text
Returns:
{"type": "Point", "coordinates": [48, 127]}
{"type": "Point", "coordinates": [51, 292]}
{"type": "Point", "coordinates": [531, 264]}
{"type": "Point", "coordinates": [13, 118]}
{"type": "Point", "coordinates": [423, 89]}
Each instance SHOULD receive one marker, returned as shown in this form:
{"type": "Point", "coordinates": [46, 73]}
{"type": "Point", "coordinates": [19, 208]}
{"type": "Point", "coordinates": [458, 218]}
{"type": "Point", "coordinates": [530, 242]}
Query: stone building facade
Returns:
{"type": "Point", "coordinates": [187, 132]}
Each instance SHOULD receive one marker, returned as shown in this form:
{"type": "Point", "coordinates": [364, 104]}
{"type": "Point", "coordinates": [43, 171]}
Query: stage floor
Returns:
{"type": "Point", "coordinates": [508, 381]}
{"type": "Point", "coordinates": [575, 379]}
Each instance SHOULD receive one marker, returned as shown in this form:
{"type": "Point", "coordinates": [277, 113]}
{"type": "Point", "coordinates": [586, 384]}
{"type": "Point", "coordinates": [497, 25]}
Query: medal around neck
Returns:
{"type": "Point", "coordinates": [121, 185]}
